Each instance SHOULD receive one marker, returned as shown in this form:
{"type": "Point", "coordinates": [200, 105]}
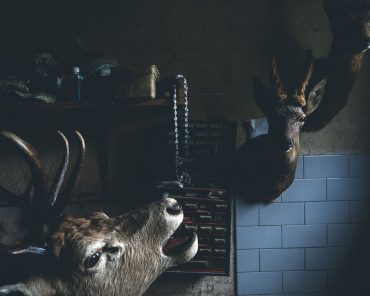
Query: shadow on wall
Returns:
{"type": "Point", "coordinates": [350, 23]}
{"type": "Point", "coordinates": [355, 280]}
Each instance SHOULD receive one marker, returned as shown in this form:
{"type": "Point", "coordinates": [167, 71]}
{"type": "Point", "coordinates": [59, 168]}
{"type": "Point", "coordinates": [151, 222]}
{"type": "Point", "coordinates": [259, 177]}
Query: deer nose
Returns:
{"type": "Point", "coordinates": [175, 209]}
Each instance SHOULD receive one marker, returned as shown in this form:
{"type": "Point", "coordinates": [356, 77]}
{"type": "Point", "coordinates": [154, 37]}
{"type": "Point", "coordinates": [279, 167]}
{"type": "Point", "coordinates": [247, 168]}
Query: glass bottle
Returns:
{"type": "Point", "coordinates": [75, 85]}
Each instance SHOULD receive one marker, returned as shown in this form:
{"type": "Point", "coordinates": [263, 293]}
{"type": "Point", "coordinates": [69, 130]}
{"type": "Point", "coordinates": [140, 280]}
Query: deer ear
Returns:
{"type": "Point", "coordinates": [16, 289]}
{"type": "Point", "coordinates": [314, 98]}
{"type": "Point", "coordinates": [261, 95]}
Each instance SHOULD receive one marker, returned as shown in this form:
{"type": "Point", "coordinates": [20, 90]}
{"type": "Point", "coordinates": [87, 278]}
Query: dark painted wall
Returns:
{"type": "Point", "coordinates": [218, 45]}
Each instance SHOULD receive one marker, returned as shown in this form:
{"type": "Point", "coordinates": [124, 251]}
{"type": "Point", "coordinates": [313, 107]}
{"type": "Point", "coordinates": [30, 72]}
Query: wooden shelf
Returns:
{"type": "Point", "coordinates": [67, 106]}
{"type": "Point", "coordinates": [21, 114]}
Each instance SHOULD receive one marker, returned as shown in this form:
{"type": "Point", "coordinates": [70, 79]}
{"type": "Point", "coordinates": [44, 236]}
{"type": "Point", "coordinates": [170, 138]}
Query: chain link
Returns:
{"type": "Point", "coordinates": [182, 172]}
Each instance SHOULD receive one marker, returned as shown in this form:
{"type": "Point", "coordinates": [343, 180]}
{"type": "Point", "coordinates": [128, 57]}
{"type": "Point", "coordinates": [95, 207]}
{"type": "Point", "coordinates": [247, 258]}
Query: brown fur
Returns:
{"type": "Point", "coordinates": [97, 255]}
{"type": "Point", "coordinates": [266, 165]}
{"type": "Point", "coordinates": [130, 261]}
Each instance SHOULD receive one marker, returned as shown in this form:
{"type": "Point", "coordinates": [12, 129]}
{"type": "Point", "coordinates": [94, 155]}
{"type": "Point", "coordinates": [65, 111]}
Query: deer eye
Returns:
{"type": "Point", "coordinates": [302, 119]}
{"type": "Point", "coordinates": [112, 250]}
{"type": "Point", "coordinates": [91, 261]}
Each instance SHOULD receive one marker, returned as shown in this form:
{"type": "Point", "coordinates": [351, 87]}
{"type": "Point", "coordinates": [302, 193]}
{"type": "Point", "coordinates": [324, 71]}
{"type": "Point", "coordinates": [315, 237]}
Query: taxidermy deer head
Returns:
{"type": "Point", "coordinates": [350, 20]}
{"type": "Point", "coordinates": [97, 255]}
{"type": "Point", "coordinates": [350, 25]}
{"type": "Point", "coordinates": [266, 164]}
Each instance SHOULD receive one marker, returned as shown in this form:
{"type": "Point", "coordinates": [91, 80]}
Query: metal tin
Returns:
{"type": "Point", "coordinates": [137, 83]}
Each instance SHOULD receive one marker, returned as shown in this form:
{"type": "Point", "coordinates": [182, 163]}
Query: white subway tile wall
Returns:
{"type": "Point", "coordinates": [312, 239]}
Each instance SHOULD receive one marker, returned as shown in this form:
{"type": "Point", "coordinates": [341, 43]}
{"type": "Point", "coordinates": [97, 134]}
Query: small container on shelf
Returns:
{"type": "Point", "coordinates": [137, 83]}
{"type": "Point", "coordinates": [76, 85]}
{"type": "Point", "coordinates": [71, 86]}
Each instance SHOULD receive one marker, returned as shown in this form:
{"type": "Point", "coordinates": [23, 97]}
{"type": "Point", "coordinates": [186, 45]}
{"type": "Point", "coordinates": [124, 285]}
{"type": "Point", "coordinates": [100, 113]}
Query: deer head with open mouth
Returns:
{"type": "Point", "coordinates": [97, 255]}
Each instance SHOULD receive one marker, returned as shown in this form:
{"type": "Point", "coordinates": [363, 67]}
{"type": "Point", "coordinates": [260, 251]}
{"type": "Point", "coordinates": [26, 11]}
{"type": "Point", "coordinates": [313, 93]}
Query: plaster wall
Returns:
{"type": "Point", "coordinates": [218, 45]}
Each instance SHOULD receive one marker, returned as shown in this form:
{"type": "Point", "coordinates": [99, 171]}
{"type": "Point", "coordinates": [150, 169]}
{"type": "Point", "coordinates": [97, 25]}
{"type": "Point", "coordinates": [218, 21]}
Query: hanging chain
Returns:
{"type": "Point", "coordinates": [182, 173]}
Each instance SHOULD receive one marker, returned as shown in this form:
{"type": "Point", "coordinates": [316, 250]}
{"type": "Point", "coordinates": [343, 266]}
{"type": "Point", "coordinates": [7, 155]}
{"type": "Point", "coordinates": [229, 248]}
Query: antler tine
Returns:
{"type": "Point", "coordinates": [36, 205]}
{"type": "Point", "coordinates": [276, 82]}
{"type": "Point", "coordinates": [62, 201]}
{"type": "Point", "coordinates": [307, 75]}
{"type": "Point", "coordinates": [58, 181]}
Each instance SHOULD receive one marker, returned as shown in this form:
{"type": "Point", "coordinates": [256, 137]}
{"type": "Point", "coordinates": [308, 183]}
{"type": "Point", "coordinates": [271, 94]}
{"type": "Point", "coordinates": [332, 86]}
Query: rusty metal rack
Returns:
{"type": "Point", "coordinates": [207, 213]}
{"type": "Point", "coordinates": [207, 201]}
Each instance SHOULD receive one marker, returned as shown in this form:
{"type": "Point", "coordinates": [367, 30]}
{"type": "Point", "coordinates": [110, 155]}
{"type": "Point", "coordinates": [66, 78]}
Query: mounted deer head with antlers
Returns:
{"type": "Point", "coordinates": [350, 25]}
{"type": "Point", "coordinates": [266, 164]}
{"type": "Point", "coordinates": [97, 255]}
{"type": "Point", "coordinates": [350, 20]}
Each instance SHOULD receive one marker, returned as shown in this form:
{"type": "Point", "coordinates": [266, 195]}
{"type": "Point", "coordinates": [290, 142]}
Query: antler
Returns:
{"type": "Point", "coordinates": [59, 204]}
{"type": "Point", "coordinates": [40, 207]}
{"type": "Point", "coordinates": [276, 83]}
{"type": "Point", "coordinates": [58, 181]}
{"type": "Point", "coordinates": [301, 88]}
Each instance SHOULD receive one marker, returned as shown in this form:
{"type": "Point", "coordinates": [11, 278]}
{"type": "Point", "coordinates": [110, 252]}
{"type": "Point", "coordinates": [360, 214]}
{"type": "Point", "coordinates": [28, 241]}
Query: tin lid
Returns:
{"type": "Point", "coordinates": [147, 69]}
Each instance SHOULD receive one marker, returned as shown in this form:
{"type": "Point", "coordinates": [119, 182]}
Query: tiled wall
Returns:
{"type": "Point", "coordinates": [306, 241]}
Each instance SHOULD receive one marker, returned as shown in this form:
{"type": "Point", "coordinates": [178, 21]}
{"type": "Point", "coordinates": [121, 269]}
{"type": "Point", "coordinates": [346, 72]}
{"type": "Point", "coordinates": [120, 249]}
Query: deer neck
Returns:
{"type": "Point", "coordinates": [345, 60]}
{"type": "Point", "coordinates": [42, 277]}
{"type": "Point", "coordinates": [36, 285]}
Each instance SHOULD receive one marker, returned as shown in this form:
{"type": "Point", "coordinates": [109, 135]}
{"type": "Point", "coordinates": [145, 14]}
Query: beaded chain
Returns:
{"type": "Point", "coordinates": [182, 173]}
